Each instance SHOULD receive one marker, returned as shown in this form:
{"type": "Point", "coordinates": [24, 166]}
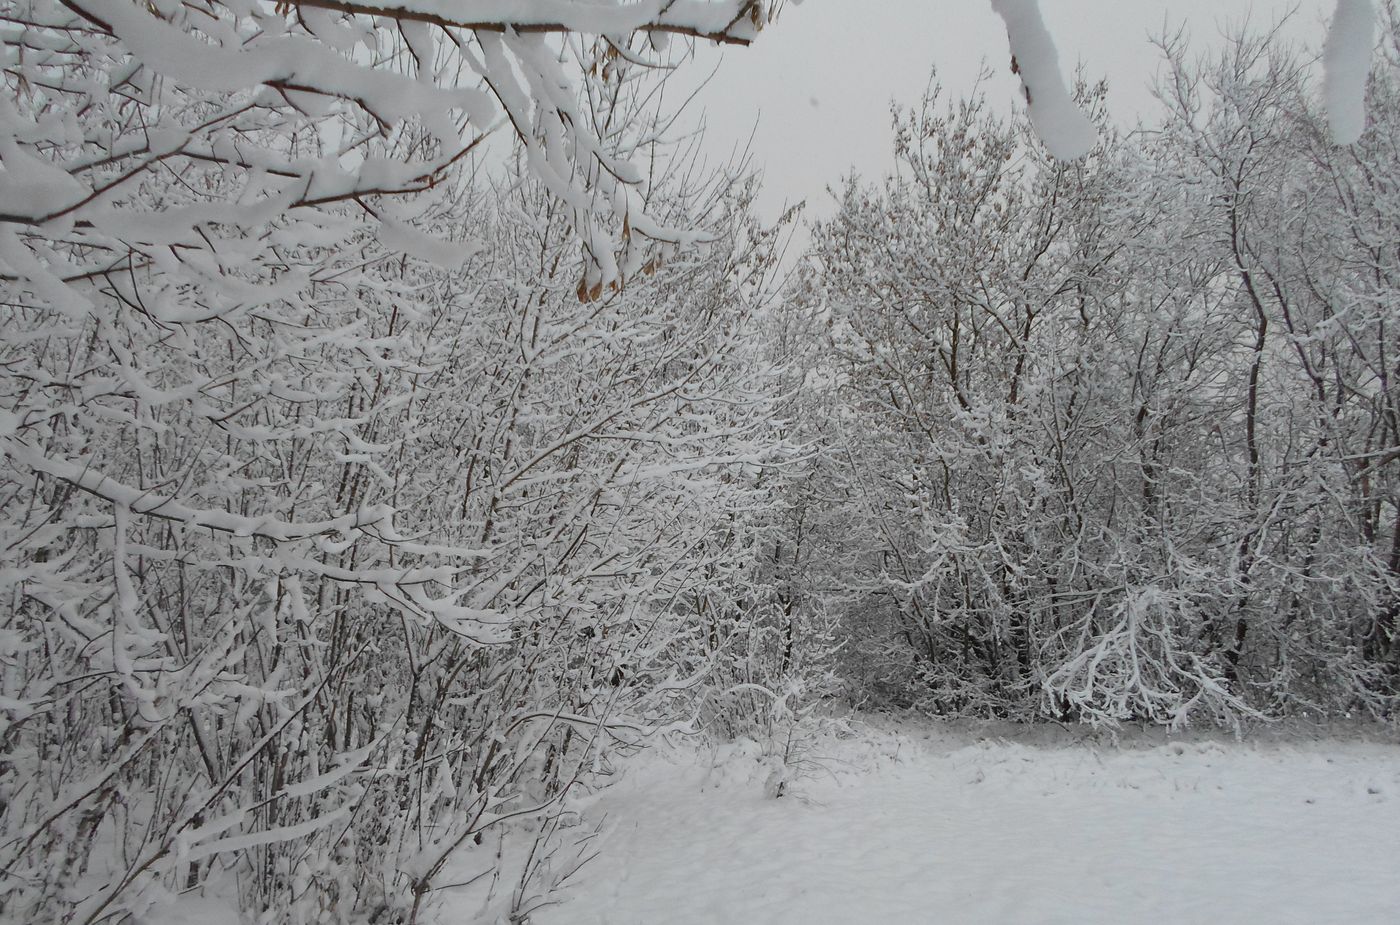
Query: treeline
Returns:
{"type": "Point", "coordinates": [358, 503]}
{"type": "Point", "coordinates": [1118, 439]}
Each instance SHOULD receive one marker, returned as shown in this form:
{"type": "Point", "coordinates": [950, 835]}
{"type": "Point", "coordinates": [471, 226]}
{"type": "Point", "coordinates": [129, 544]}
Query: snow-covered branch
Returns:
{"type": "Point", "coordinates": [731, 22]}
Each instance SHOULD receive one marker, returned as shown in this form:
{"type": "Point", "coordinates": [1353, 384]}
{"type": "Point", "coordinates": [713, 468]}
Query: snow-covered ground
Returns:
{"type": "Point", "coordinates": [934, 824]}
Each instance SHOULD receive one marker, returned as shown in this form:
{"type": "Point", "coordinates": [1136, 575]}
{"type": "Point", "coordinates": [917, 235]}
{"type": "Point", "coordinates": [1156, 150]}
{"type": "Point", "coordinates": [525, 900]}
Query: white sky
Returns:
{"type": "Point", "coordinates": [815, 88]}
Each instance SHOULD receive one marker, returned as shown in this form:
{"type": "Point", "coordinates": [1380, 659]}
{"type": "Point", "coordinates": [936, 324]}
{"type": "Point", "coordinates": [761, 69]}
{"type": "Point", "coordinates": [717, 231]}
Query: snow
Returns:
{"type": "Point", "coordinates": [1346, 61]}
{"type": "Point", "coordinates": [961, 827]}
{"type": "Point", "coordinates": [400, 236]}
{"type": "Point", "coordinates": [31, 188]}
{"type": "Point", "coordinates": [293, 60]}
{"type": "Point", "coordinates": [1059, 122]}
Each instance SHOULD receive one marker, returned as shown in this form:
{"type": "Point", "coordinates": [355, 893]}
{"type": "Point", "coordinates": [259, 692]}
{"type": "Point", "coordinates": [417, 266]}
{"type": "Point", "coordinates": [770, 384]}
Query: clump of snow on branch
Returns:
{"type": "Point", "coordinates": [1347, 58]}
{"type": "Point", "coordinates": [1069, 134]}
{"type": "Point", "coordinates": [1060, 123]}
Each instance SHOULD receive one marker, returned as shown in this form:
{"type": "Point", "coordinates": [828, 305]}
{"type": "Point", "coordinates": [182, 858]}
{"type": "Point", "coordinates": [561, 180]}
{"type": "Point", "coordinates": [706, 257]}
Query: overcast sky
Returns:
{"type": "Point", "coordinates": [815, 88]}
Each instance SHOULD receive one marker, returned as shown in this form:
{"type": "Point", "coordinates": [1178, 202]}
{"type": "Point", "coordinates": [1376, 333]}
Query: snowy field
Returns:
{"type": "Point", "coordinates": [939, 825]}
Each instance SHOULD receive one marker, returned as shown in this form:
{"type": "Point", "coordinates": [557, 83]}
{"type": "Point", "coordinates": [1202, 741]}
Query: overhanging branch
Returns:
{"type": "Point", "coordinates": [744, 13]}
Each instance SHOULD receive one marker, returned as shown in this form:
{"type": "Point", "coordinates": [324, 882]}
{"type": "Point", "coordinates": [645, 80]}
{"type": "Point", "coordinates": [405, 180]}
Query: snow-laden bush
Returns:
{"type": "Point", "coordinates": [1115, 439]}
{"type": "Point", "coordinates": [348, 501]}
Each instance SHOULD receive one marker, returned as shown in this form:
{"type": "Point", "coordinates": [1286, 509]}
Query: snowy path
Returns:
{"type": "Point", "coordinates": [999, 832]}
